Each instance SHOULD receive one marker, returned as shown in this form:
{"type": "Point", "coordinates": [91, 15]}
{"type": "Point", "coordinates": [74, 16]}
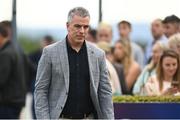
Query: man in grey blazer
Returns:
{"type": "Point", "coordinates": [72, 79]}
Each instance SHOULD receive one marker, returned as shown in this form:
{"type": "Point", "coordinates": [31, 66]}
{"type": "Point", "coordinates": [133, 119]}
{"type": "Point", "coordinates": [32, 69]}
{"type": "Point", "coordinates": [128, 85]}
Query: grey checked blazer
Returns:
{"type": "Point", "coordinates": [52, 82]}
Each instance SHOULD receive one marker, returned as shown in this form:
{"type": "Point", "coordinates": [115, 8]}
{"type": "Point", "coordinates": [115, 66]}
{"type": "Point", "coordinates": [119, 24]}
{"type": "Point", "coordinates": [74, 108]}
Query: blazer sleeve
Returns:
{"type": "Point", "coordinates": [105, 91]}
{"type": "Point", "coordinates": [43, 79]}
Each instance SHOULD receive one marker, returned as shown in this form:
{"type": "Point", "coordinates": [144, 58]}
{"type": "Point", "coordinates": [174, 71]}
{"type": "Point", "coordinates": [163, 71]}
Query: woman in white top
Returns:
{"type": "Point", "coordinates": [167, 78]}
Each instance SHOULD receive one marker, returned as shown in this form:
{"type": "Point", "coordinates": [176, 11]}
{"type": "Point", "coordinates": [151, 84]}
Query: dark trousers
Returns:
{"type": "Point", "coordinates": [9, 112]}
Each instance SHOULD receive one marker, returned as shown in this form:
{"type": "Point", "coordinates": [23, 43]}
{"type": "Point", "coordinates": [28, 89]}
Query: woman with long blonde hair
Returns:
{"type": "Point", "coordinates": [123, 55]}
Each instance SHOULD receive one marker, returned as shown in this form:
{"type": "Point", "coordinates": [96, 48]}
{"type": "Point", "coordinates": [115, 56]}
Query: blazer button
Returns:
{"type": "Point", "coordinates": [61, 107]}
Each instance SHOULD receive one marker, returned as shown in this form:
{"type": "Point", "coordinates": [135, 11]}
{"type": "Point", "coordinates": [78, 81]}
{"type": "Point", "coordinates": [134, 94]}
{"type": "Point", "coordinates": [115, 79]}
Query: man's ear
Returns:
{"type": "Point", "coordinates": [67, 25]}
{"type": "Point", "coordinates": [177, 26]}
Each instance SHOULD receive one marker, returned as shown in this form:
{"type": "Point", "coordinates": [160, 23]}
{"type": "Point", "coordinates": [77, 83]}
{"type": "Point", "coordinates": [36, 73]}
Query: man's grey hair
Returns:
{"type": "Point", "coordinates": [79, 11]}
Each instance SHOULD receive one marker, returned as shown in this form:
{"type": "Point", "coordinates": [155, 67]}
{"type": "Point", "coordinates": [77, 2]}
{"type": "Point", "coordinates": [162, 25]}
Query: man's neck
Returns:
{"type": "Point", "coordinates": [3, 43]}
{"type": "Point", "coordinates": [156, 38]}
{"type": "Point", "coordinates": [125, 37]}
{"type": "Point", "coordinates": [74, 45]}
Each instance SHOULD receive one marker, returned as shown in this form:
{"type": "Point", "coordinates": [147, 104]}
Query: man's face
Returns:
{"type": "Point", "coordinates": [44, 43]}
{"type": "Point", "coordinates": [1, 40]}
{"type": "Point", "coordinates": [104, 35]}
{"type": "Point", "coordinates": [90, 38]}
{"type": "Point", "coordinates": [78, 28]}
{"type": "Point", "coordinates": [170, 29]}
{"type": "Point", "coordinates": [157, 29]}
{"type": "Point", "coordinates": [124, 30]}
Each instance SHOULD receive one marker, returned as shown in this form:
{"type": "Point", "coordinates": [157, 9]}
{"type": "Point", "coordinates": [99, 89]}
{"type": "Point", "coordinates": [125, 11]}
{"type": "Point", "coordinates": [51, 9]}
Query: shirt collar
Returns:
{"type": "Point", "coordinates": [70, 48]}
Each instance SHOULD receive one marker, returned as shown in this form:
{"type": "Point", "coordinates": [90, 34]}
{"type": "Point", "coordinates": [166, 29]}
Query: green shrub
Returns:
{"type": "Point", "coordinates": [146, 99]}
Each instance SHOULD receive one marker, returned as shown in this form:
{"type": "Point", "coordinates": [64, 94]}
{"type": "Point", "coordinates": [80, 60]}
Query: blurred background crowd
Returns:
{"type": "Point", "coordinates": [135, 68]}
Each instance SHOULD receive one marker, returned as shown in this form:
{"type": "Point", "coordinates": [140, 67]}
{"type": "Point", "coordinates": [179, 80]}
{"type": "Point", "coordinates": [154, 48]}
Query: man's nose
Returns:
{"type": "Point", "coordinates": [82, 29]}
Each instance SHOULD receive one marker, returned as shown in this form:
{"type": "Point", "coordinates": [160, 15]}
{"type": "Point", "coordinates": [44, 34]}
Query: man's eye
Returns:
{"type": "Point", "coordinates": [86, 27]}
{"type": "Point", "coordinates": [78, 26]}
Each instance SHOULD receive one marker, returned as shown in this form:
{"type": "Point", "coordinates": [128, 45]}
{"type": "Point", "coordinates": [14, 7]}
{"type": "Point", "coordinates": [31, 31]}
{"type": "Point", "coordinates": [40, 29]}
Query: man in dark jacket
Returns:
{"type": "Point", "coordinates": [12, 84]}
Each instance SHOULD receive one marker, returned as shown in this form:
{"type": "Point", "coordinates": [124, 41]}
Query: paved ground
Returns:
{"type": "Point", "coordinates": [26, 111]}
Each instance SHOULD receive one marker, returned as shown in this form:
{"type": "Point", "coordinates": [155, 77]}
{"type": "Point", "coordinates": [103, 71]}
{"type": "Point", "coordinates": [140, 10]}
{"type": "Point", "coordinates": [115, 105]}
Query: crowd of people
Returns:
{"type": "Point", "coordinates": [150, 72]}
{"type": "Point", "coordinates": [132, 71]}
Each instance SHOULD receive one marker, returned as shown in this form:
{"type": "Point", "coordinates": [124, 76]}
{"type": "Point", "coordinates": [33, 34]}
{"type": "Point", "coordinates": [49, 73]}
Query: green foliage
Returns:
{"type": "Point", "coordinates": [28, 44]}
{"type": "Point", "coordinates": [146, 99]}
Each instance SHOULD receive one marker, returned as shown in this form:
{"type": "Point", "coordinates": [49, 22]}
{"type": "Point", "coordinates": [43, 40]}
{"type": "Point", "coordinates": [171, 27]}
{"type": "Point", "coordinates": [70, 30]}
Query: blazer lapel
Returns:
{"type": "Point", "coordinates": [92, 62]}
{"type": "Point", "coordinates": [64, 62]}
